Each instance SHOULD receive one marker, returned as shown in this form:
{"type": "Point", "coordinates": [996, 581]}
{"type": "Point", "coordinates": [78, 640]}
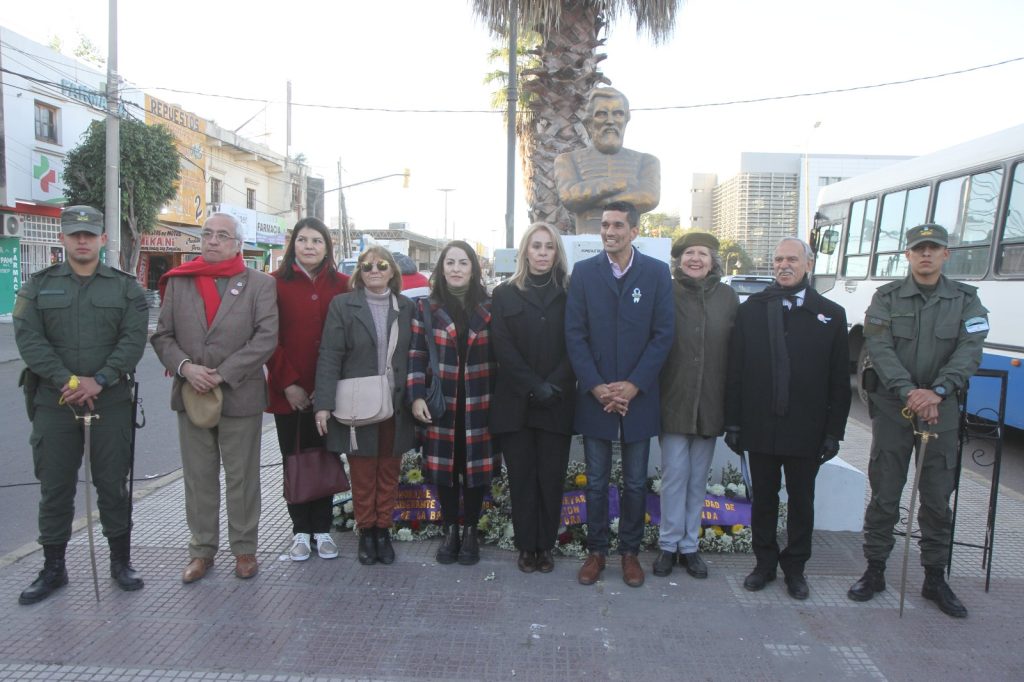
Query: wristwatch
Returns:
{"type": "Point", "coordinates": [101, 380]}
{"type": "Point", "coordinates": [940, 391]}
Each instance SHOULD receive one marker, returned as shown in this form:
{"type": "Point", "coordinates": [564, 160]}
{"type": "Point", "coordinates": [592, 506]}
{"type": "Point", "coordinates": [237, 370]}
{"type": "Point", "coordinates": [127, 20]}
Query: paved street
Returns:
{"type": "Point", "coordinates": [417, 620]}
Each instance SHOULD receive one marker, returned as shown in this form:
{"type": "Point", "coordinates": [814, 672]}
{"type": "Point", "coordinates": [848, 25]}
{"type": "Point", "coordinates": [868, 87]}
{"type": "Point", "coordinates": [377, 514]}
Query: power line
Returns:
{"type": "Point", "coordinates": [661, 108]}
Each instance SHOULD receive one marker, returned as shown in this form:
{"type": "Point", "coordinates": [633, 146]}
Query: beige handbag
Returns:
{"type": "Point", "coordinates": [367, 400]}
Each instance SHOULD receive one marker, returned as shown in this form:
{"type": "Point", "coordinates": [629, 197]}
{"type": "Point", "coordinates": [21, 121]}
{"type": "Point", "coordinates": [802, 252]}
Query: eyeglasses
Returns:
{"type": "Point", "coordinates": [218, 236]}
{"type": "Point", "coordinates": [382, 266]}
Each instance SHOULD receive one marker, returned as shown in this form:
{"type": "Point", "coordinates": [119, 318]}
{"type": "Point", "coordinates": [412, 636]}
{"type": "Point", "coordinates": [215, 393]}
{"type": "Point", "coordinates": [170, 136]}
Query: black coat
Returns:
{"type": "Point", "coordinates": [819, 384]}
{"type": "Point", "coordinates": [528, 331]}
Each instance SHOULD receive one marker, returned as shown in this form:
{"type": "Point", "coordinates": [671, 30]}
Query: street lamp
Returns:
{"type": "Point", "coordinates": [807, 180]}
{"type": "Point", "coordinates": [446, 190]}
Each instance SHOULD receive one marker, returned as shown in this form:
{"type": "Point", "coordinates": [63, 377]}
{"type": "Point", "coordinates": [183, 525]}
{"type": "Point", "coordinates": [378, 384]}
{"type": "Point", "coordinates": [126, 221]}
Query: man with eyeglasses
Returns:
{"type": "Point", "coordinates": [217, 327]}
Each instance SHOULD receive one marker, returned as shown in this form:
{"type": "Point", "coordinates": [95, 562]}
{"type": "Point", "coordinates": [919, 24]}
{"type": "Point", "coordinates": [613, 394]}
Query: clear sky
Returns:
{"type": "Point", "coordinates": [432, 54]}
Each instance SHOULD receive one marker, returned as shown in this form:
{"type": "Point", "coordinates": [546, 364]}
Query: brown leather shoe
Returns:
{"type": "Point", "coordinates": [246, 566]}
{"type": "Point", "coordinates": [591, 569]}
{"type": "Point", "coordinates": [632, 573]}
{"type": "Point", "coordinates": [545, 564]}
{"type": "Point", "coordinates": [195, 570]}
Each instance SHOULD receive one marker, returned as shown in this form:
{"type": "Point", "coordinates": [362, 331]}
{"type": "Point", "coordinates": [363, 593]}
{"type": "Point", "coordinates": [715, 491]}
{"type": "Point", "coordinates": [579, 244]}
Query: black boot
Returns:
{"type": "Point", "coordinates": [126, 577]}
{"type": "Point", "coordinates": [936, 589]}
{"type": "Point", "coordinates": [53, 576]}
{"type": "Point", "coordinates": [367, 546]}
{"type": "Point", "coordinates": [470, 552]}
{"type": "Point", "coordinates": [448, 552]}
{"type": "Point", "coordinates": [871, 582]}
{"type": "Point", "coordinates": [385, 552]}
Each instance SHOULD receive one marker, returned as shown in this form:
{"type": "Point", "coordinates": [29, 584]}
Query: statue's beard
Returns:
{"type": "Point", "coordinates": [608, 140]}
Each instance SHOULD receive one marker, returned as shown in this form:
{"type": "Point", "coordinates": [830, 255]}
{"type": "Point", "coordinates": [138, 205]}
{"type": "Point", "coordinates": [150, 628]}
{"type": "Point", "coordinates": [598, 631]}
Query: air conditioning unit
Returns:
{"type": "Point", "coordinates": [11, 225]}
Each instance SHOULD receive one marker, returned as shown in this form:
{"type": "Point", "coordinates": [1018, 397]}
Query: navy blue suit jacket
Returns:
{"type": "Point", "coordinates": [619, 331]}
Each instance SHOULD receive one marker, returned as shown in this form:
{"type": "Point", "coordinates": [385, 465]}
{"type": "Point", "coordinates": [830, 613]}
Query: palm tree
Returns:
{"type": "Point", "coordinates": [557, 88]}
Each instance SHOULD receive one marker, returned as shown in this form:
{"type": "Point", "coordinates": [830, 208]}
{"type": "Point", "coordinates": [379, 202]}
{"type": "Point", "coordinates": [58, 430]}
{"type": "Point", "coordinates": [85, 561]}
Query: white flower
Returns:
{"type": "Point", "coordinates": [350, 524]}
{"type": "Point", "coordinates": [717, 490]}
{"type": "Point", "coordinates": [741, 490]}
{"type": "Point", "coordinates": [614, 525]}
{"type": "Point", "coordinates": [656, 486]}
{"type": "Point", "coordinates": [509, 531]}
{"type": "Point", "coordinates": [404, 534]}
{"type": "Point", "coordinates": [336, 511]}
{"type": "Point", "coordinates": [347, 507]}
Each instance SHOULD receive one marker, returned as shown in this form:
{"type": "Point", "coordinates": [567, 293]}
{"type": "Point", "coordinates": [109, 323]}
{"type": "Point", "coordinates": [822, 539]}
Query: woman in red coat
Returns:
{"type": "Point", "coordinates": [306, 282]}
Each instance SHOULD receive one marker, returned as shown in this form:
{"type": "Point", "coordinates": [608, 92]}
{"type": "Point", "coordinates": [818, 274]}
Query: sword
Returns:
{"type": "Point", "coordinates": [87, 419]}
{"type": "Point", "coordinates": [925, 436]}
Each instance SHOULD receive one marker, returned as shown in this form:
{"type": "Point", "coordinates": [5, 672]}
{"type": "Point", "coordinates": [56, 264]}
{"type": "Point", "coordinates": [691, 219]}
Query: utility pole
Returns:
{"type": "Point", "coordinates": [446, 190]}
{"type": "Point", "coordinates": [3, 145]}
{"type": "Point", "coordinates": [112, 193]}
{"type": "Point", "coordinates": [510, 152]}
{"type": "Point", "coordinates": [344, 236]}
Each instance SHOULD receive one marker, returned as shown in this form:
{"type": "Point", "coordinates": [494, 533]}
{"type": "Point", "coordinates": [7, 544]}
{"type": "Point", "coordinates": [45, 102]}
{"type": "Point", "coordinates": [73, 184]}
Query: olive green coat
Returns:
{"type": "Point", "coordinates": [915, 342]}
{"type": "Point", "coordinates": [693, 377]}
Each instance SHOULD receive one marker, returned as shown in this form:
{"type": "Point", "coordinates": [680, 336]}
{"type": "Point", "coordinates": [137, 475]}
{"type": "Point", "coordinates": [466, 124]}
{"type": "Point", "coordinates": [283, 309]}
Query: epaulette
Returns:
{"type": "Point", "coordinates": [121, 272]}
{"type": "Point", "coordinates": [966, 288]}
{"type": "Point", "coordinates": [890, 286]}
{"type": "Point", "coordinates": [40, 273]}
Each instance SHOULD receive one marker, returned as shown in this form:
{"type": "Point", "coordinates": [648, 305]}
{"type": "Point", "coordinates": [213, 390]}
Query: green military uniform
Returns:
{"type": "Point", "coordinates": [94, 327]}
{"type": "Point", "coordinates": [918, 339]}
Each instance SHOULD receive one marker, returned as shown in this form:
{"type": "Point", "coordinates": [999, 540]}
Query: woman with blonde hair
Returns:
{"type": "Point", "coordinates": [535, 396]}
{"type": "Point", "coordinates": [355, 344]}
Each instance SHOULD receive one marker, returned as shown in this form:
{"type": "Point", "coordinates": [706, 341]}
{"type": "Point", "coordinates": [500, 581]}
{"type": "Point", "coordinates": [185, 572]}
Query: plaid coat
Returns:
{"type": "Point", "coordinates": [482, 462]}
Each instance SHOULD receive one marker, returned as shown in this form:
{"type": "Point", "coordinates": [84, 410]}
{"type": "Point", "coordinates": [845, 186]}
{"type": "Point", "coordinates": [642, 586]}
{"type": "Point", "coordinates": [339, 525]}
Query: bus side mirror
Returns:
{"type": "Point", "coordinates": [829, 242]}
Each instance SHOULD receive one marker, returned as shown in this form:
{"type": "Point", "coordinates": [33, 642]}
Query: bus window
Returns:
{"type": "Point", "coordinates": [900, 212]}
{"type": "Point", "coordinates": [859, 238]}
{"type": "Point", "coordinates": [826, 260]}
{"type": "Point", "coordinates": [966, 207]}
{"type": "Point", "coordinates": [1011, 254]}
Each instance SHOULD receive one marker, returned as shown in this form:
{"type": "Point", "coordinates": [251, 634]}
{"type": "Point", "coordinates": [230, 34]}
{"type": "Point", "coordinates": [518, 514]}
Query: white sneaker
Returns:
{"type": "Point", "coordinates": [300, 547]}
{"type": "Point", "coordinates": [325, 546]}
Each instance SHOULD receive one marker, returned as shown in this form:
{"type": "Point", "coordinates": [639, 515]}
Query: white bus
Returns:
{"type": "Point", "coordinates": [976, 191]}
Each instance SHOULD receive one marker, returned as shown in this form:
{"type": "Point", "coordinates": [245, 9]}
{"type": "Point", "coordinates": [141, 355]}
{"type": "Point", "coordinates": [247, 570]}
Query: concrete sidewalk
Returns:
{"type": "Point", "coordinates": [417, 620]}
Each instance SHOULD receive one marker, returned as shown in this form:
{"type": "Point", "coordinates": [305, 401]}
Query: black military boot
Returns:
{"type": "Point", "coordinates": [385, 552]}
{"type": "Point", "coordinates": [53, 576]}
{"type": "Point", "coordinates": [448, 552]}
{"type": "Point", "coordinates": [936, 589]}
{"type": "Point", "coordinates": [469, 554]}
{"type": "Point", "coordinates": [872, 581]}
{"type": "Point", "coordinates": [367, 547]}
{"type": "Point", "coordinates": [126, 577]}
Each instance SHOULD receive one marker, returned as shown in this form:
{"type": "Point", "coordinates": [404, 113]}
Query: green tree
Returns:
{"type": "Point", "coordinates": [558, 87]}
{"type": "Point", "coordinates": [660, 225]}
{"type": "Point", "coordinates": [735, 260]}
{"type": "Point", "coordinates": [149, 177]}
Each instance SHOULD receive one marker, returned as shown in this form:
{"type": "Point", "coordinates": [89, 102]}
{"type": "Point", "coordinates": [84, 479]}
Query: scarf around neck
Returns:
{"type": "Point", "coordinates": [204, 274]}
{"type": "Point", "coordinates": [772, 297]}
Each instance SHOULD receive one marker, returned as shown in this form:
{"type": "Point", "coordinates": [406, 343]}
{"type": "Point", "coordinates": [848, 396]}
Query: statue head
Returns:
{"type": "Point", "coordinates": [607, 116]}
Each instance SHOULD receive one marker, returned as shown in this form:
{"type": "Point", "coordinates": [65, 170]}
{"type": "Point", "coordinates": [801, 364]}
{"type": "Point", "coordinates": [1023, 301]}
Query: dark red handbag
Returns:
{"type": "Point", "coordinates": [313, 473]}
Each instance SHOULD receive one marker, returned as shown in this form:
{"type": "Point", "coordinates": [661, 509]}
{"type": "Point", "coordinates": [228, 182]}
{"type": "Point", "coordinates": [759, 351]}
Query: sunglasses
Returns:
{"type": "Point", "coordinates": [382, 266]}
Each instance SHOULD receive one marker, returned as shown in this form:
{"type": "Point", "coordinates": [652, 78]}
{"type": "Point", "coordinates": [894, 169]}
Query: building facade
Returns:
{"type": "Point", "coordinates": [771, 197]}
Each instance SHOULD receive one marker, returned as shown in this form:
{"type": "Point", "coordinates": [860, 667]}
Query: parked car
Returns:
{"type": "Point", "coordinates": [745, 285]}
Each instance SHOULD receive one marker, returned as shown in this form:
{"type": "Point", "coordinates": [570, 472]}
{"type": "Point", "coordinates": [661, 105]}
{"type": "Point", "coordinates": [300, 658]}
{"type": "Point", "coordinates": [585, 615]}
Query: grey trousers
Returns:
{"type": "Point", "coordinates": [235, 444]}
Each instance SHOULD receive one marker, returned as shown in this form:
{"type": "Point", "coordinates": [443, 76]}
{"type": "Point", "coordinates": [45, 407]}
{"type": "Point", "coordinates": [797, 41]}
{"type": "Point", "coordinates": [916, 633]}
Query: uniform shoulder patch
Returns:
{"type": "Point", "coordinates": [967, 288]}
{"type": "Point", "coordinates": [975, 325]}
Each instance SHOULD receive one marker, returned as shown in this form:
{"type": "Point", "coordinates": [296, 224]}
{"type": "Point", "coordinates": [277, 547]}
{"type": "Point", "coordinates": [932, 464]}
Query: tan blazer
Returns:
{"type": "Point", "coordinates": [241, 339]}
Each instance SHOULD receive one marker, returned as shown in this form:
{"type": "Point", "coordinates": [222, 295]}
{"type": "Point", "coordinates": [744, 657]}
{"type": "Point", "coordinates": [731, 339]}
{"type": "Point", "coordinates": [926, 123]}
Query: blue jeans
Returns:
{"type": "Point", "coordinates": [633, 498]}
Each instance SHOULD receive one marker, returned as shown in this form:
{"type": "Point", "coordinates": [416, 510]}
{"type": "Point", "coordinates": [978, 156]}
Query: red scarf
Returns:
{"type": "Point", "coordinates": [204, 273]}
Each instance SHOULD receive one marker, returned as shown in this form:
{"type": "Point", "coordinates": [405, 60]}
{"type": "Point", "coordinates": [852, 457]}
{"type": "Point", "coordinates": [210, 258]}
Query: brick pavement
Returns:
{"type": "Point", "coordinates": [417, 620]}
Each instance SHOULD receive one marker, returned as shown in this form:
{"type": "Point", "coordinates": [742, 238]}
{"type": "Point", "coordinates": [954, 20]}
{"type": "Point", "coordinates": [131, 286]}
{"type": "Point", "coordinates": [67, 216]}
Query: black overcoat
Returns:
{"type": "Point", "coordinates": [528, 332]}
{"type": "Point", "coordinates": [819, 384]}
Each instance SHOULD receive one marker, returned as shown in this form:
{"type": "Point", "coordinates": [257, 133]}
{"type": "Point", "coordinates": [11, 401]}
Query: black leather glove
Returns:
{"type": "Point", "coordinates": [829, 449]}
{"type": "Point", "coordinates": [545, 395]}
{"type": "Point", "coordinates": [732, 439]}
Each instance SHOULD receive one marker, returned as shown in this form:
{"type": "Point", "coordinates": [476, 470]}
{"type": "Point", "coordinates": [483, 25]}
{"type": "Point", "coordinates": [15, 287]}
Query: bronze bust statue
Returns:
{"type": "Point", "coordinates": [589, 178]}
